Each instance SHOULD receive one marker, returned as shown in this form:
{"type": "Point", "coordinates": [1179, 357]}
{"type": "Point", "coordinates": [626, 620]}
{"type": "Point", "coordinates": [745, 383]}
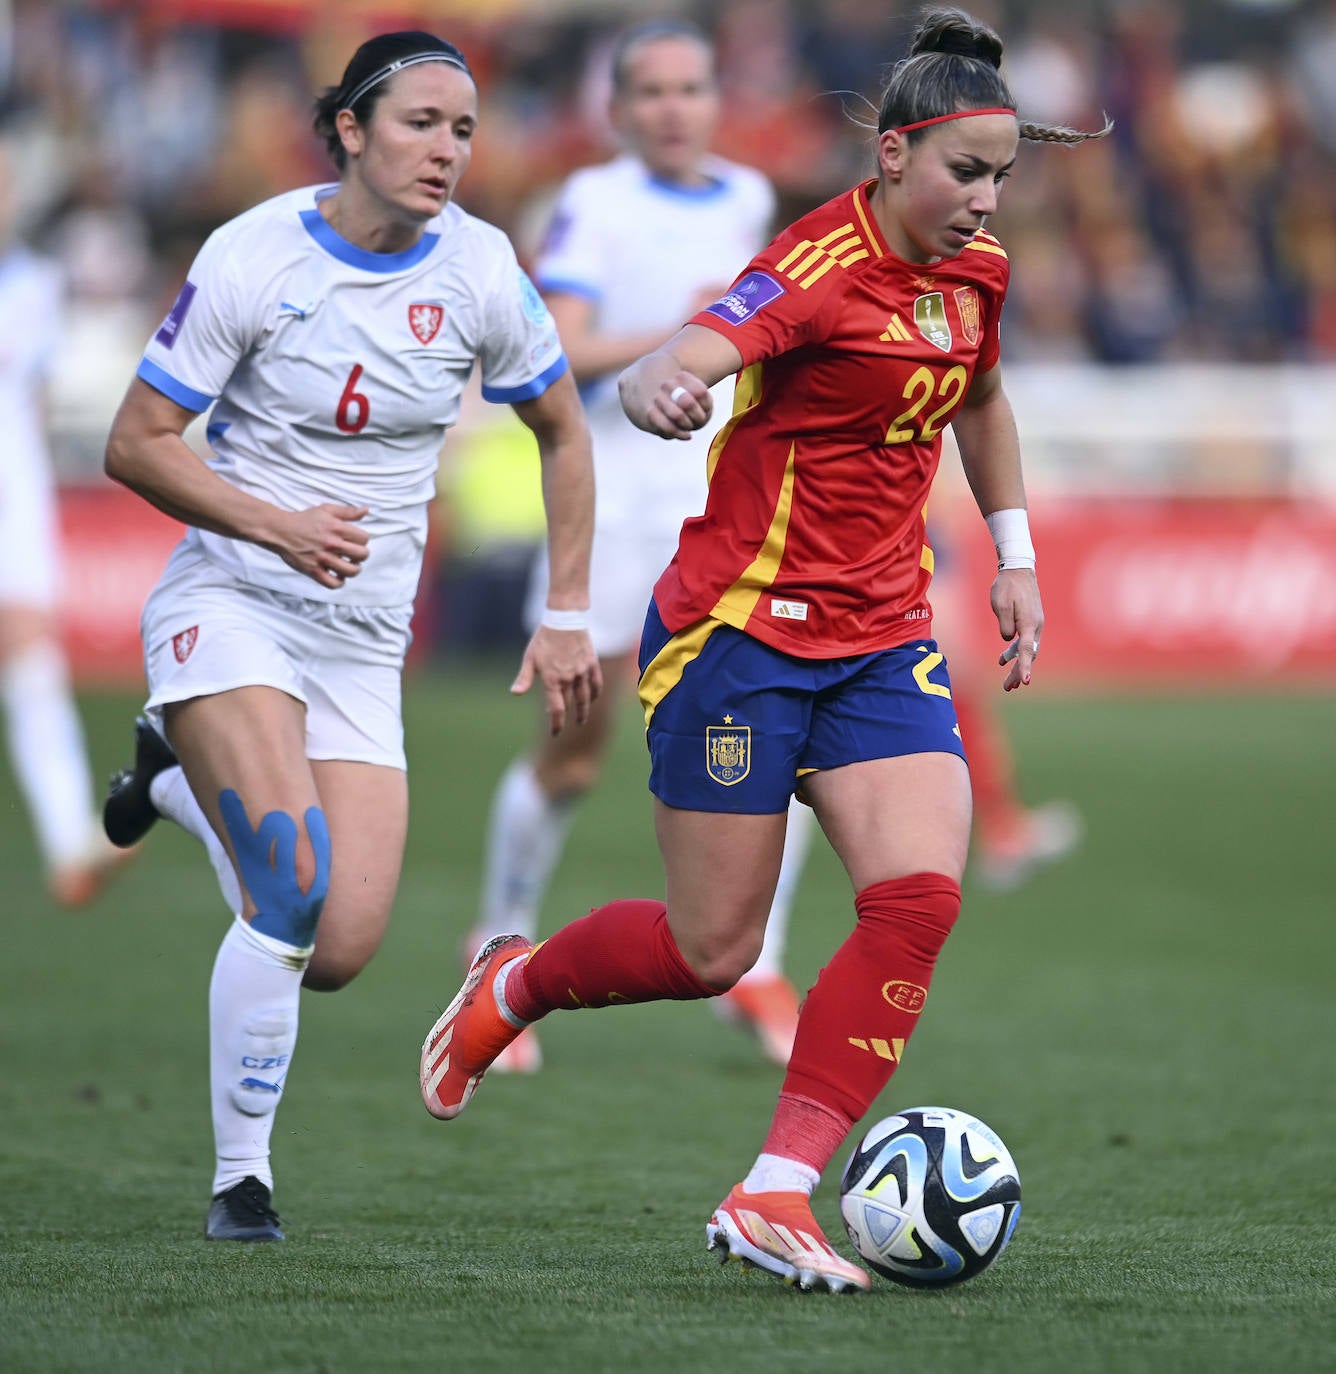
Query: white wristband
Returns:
{"type": "Point", "coordinates": [564, 620]}
{"type": "Point", "coordinates": [1011, 538]}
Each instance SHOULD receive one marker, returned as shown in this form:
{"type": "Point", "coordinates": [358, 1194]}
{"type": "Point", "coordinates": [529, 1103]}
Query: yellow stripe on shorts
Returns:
{"type": "Point", "coordinates": [667, 666]}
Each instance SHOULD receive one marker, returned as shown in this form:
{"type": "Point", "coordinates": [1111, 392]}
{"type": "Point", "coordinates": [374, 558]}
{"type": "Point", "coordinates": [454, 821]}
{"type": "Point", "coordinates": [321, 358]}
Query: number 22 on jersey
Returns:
{"type": "Point", "coordinates": [923, 387]}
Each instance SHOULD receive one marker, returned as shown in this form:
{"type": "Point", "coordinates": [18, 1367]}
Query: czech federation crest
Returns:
{"type": "Point", "coordinates": [425, 321]}
{"type": "Point", "coordinates": [728, 752]}
{"type": "Point", "coordinates": [184, 643]}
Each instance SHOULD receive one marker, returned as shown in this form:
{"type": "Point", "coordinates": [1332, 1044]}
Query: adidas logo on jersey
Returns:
{"type": "Point", "coordinates": [895, 331]}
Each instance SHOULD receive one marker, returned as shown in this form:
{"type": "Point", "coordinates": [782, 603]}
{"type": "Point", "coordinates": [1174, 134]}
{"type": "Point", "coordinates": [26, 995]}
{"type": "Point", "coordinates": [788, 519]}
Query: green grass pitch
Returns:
{"type": "Point", "coordinates": [1149, 1026]}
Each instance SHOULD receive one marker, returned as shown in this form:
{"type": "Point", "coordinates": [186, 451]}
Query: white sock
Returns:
{"type": "Point", "coordinates": [47, 751]}
{"type": "Point", "coordinates": [797, 845]}
{"type": "Point", "coordinates": [775, 1174]}
{"type": "Point", "coordinates": [499, 992]}
{"type": "Point", "coordinates": [170, 793]}
{"type": "Point", "coordinates": [525, 837]}
{"type": "Point", "coordinates": [253, 999]}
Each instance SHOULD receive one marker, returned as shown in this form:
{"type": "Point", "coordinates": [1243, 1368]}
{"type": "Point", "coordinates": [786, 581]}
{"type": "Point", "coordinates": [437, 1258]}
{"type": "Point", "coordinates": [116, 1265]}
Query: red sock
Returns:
{"type": "Point", "coordinates": [806, 1131]}
{"type": "Point", "coordinates": [859, 1016]}
{"type": "Point", "coordinates": [622, 952]}
{"type": "Point", "coordinates": [991, 773]}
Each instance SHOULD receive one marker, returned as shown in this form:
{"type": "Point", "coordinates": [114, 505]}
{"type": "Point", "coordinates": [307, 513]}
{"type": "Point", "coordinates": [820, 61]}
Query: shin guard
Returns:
{"type": "Point", "coordinates": [859, 1016]}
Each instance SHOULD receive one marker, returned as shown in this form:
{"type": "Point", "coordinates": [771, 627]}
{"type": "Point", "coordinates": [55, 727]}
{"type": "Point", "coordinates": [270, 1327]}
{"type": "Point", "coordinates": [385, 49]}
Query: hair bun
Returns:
{"type": "Point", "coordinates": [954, 33]}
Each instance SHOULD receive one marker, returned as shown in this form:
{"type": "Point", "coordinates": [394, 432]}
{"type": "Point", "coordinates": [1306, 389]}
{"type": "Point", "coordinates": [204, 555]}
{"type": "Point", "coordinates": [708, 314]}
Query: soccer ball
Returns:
{"type": "Point", "coordinates": [930, 1197]}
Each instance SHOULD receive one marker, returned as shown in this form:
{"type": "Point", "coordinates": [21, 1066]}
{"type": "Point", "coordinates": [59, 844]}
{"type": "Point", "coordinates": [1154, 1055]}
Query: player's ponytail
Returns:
{"type": "Point", "coordinates": [953, 69]}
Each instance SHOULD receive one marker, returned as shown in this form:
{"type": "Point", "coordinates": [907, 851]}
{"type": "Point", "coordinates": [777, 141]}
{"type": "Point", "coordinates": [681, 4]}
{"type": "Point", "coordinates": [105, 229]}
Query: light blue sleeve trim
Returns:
{"type": "Point", "coordinates": [176, 391]}
{"type": "Point", "coordinates": [508, 395]}
{"type": "Point", "coordinates": [567, 286]}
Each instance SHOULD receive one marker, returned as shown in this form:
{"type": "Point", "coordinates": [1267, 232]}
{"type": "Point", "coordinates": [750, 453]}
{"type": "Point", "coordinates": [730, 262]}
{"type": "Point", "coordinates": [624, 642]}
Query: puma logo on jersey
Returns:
{"type": "Point", "coordinates": [286, 310]}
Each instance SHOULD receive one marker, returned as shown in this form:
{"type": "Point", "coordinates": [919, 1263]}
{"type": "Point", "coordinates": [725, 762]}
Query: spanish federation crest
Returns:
{"type": "Point", "coordinates": [728, 752]}
{"type": "Point", "coordinates": [930, 316]}
{"type": "Point", "coordinates": [967, 304]}
{"type": "Point", "coordinates": [425, 321]}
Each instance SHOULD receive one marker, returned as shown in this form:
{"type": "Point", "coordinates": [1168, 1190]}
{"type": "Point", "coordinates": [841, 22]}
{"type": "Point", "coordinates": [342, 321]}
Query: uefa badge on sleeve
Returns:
{"type": "Point", "coordinates": [728, 752]}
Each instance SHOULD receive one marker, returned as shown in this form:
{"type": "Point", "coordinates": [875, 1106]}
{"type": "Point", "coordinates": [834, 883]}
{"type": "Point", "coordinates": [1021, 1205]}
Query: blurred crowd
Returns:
{"type": "Point", "coordinates": [1203, 229]}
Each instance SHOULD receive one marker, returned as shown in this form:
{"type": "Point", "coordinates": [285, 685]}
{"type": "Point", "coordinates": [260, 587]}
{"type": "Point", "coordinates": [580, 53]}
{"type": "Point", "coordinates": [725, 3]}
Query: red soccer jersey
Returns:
{"type": "Point", "coordinates": [854, 360]}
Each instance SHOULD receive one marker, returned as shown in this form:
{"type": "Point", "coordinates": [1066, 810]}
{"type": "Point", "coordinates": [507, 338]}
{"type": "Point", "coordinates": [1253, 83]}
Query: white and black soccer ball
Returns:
{"type": "Point", "coordinates": [930, 1197]}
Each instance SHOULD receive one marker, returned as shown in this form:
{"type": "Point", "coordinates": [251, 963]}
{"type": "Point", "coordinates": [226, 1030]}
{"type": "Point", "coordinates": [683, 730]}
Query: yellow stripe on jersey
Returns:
{"type": "Point", "coordinates": [815, 256]}
{"type": "Point", "coordinates": [809, 262]}
{"type": "Point", "coordinates": [739, 601]}
{"type": "Point", "coordinates": [847, 245]}
{"type": "Point", "coordinates": [665, 669]}
{"type": "Point", "coordinates": [819, 273]}
{"type": "Point", "coordinates": [867, 228]}
{"type": "Point", "coordinates": [785, 263]}
{"type": "Point", "coordinates": [993, 247]}
{"type": "Point", "coordinates": [834, 234]}
{"type": "Point", "coordinates": [746, 393]}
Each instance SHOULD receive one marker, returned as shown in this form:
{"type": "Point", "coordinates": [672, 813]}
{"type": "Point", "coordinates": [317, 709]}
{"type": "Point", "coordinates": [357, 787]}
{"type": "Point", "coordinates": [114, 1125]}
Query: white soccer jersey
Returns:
{"type": "Point", "coordinates": [644, 250]}
{"type": "Point", "coordinates": [31, 301]}
{"type": "Point", "coordinates": [334, 372]}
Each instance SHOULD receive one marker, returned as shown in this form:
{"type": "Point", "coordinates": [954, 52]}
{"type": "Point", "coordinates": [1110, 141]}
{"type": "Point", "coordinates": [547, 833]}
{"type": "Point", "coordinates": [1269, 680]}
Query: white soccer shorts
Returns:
{"type": "Point", "coordinates": [29, 571]}
{"type": "Point", "coordinates": [205, 632]}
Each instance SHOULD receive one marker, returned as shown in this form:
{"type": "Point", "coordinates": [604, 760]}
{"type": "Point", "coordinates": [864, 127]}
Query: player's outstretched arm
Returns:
{"type": "Point", "coordinates": [990, 454]}
{"type": "Point", "coordinates": [667, 392]}
{"type": "Point", "coordinates": [145, 452]}
{"type": "Point", "coordinates": [560, 653]}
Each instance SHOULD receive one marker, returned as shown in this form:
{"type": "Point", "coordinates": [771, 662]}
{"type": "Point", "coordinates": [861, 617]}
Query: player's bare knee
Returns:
{"type": "Point", "coordinates": [720, 963]}
{"type": "Point", "coordinates": [285, 871]}
{"type": "Point", "coordinates": [331, 973]}
{"type": "Point", "coordinates": [570, 777]}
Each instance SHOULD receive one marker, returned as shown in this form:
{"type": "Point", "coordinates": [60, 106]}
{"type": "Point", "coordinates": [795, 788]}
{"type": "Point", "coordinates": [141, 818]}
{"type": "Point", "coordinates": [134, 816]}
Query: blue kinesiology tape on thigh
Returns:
{"type": "Point", "coordinates": [267, 858]}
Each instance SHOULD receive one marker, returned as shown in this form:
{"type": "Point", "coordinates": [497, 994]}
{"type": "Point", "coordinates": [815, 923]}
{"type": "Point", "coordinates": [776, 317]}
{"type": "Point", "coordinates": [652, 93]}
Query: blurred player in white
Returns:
{"type": "Point", "coordinates": [635, 246]}
{"type": "Point", "coordinates": [44, 735]}
{"type": "Point", "coordinates": [332, 331]}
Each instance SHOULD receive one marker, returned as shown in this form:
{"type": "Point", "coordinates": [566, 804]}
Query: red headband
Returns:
{"type": "Point", "coordinates": [959, 114]}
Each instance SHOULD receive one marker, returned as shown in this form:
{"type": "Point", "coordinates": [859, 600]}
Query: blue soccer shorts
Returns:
{"type": "Point", "coordinates": [732, 724]}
